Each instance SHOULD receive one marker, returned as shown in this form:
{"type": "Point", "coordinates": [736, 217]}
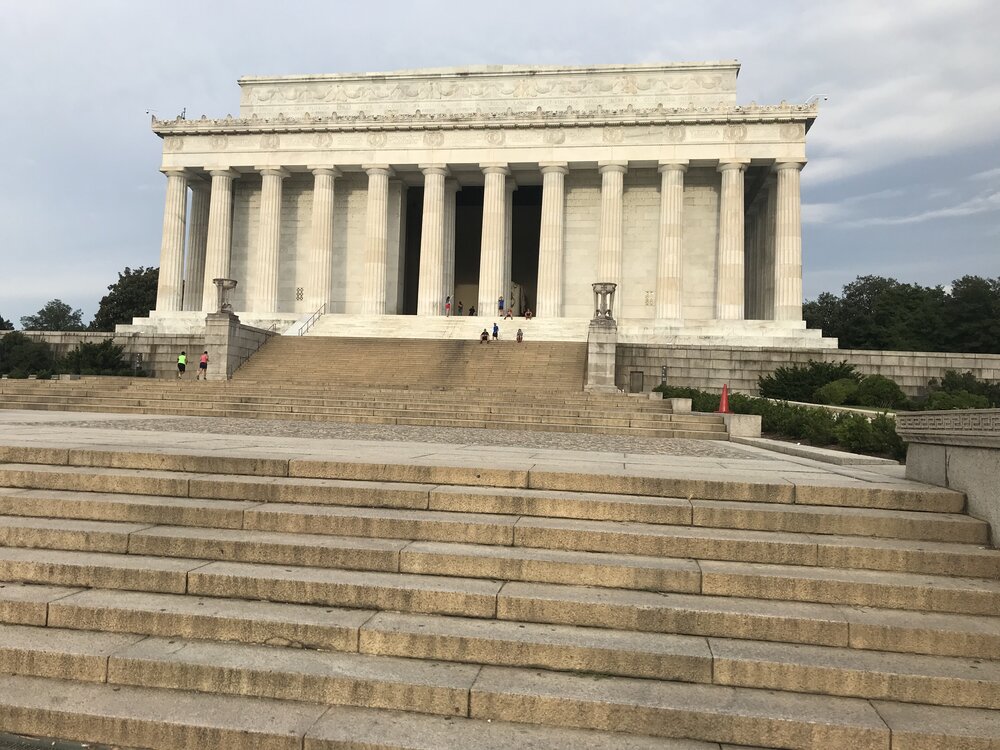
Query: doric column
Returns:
{"type": "Point", "coordinates": [506, 285]}
{"type": "Point", "coordinates": [551, 240]}
{"type": "Point", "coordinates": [669, 292]}
{"type": "Point", "coordinates": [194, 272]}
{"type": "Point", "coordinates": [451, 189]}
{"type": "Point", "coordinates": [493, 249]}
{"type": "Point", "coordinates": [767, 262]}
{"type": "Point", "coordinates": [220, 235]}
{"type": "Point", "coordinates": [729, 265]}
{"type": "Point", "coordinates": [265, 269]}
{"type": "Point", "coordinates": [788, 243]}
{"type": "Point", "coordinates": [170, 287]}
{"type": "Point", "coordinates": [376, 239]}
{"type": "Point", "coordinates": [321, 247]}
{"type": "Point", "coordinates": [609, 254]}
{"type": "Point", "coordinates": [431, 284]}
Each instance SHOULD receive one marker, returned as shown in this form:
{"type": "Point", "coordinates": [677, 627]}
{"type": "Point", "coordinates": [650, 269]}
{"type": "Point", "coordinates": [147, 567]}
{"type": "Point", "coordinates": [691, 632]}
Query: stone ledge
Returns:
{"type": "Point", "coordinates": [976, 428]}
{"type": "Point", "coordinates": [826, 455]}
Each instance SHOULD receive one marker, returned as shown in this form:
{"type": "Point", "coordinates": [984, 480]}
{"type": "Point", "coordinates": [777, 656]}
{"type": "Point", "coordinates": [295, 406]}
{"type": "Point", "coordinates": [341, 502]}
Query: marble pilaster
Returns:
{"type": "Point", "coordinates": [729, 265]}
{"type": "Point", "coordinates": [268, 240]}
{"type": "Point", "coordinates": [321, 239]}
{"type": "Point", "coordinates": [494, 241]}
{"type": "Point", "coordinates": [669, 300]}
{"type": "Point", "coordinates": [170, 285]}
{"type": "Point", "coordinates": [376, 239]}
{"type": "Point", "coordinates": [609, 253]}
{"type": "Point", "coordinates": [194, 272]}
{"type": "Point", "coordinates": [220, 235]}
{"type": "Point", "coordinates": [551, 240]}
{"type": "Point", "coordinates": [788, 242]}
{"type": "Point", "coordinates": [431, 282]}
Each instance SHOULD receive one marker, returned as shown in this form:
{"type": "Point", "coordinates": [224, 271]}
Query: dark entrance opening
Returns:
{"type": "Point", "coordinates": [527, 222]}
{"type": "Point", "coordinates": [411, 248]}
{"type": "Point", "coordinates": [468, 237]}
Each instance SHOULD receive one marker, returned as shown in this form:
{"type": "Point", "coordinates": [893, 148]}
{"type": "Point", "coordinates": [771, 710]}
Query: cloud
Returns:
{"type": "Point", "coordinates": [977, 205]}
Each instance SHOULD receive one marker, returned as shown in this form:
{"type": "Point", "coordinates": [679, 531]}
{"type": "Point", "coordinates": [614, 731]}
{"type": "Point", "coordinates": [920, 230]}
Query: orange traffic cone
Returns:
{"type": "Point", "coordinates": [724, 401]}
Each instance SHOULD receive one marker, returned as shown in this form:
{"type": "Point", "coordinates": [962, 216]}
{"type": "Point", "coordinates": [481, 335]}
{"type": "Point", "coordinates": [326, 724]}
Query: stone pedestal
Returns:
{"type": "Point", "coordinates": [220, 340]}
{"type": "Point", "coordinates": [602, 342]}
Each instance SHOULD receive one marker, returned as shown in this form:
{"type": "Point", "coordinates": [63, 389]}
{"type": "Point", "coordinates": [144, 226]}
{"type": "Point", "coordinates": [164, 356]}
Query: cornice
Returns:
{"type": "Point", "coordinates": [538, 118]}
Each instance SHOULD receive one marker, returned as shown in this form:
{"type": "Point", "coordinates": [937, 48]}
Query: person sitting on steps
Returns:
{"type": "Point", "coordinates": [520, 335]}
{"type": "Point", "coordinates": [484, 337]}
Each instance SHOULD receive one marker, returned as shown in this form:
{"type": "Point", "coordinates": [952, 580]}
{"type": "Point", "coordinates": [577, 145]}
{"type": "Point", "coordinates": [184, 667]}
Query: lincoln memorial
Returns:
{"type": "Point", "coordinates": [373, 198]}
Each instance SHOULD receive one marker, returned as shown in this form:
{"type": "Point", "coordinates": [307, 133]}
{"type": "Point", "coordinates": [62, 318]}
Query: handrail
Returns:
{"type": "Point", "coordinates": [311, 320]}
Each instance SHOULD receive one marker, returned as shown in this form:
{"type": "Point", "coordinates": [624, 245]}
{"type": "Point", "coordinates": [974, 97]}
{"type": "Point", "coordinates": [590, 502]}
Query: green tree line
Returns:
{"type": "Point", "coordinates": [874, 312]}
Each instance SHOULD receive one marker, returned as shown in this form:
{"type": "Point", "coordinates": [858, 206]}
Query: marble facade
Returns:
{"type": "Point", "coordinates": [372, 195]}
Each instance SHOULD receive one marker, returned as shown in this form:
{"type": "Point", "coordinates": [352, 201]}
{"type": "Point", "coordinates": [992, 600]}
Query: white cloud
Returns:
{"type": "Point", "coordinates": [977, 205]}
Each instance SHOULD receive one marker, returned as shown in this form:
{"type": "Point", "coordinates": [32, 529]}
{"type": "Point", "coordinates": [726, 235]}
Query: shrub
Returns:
{"type": "Point", "coordinates": [700, 400]}
{"type": "Point", "coordinates": [819, 426]}
{"type": "Point", "coordinates": [799, 382]}
{"type": "Point", "coordinates": [937, 400]}
{"type": "Point", "coordinates": [837, 393]}
{"type": "Point", "coordinates": [879, 391]}
{"type": "Point", "coordinates": [19, 352]}
{"type": "Point", "coordinates": [955, 383]}
{"type": "Point", "coordinates": [103, 358]}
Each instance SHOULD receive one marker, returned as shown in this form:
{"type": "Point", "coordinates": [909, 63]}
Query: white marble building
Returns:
{"type": "Point", "coordinates": [376, 196]}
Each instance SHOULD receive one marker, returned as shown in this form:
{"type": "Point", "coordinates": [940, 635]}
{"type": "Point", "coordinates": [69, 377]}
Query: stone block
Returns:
{"type": "Point", "coordinates": [679, 405]}
{"type": "Point", "coordinates": [742, 425]}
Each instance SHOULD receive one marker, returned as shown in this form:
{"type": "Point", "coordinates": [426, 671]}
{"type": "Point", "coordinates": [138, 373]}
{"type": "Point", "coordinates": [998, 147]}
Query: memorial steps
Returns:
{"type": "Point", "coordinates": [173, 601]}
{"type": "Point", "coordinates": [388, 382]}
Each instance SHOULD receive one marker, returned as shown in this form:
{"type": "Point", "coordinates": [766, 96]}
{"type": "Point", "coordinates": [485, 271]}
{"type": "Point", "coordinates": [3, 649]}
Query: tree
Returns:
{"type": "Point", "coordinates": [132, 296]}
{"type": "Point", "coordinates": [55, 316]}
{"type": "Point", "coordinates": [20, 354]}
{"type": "Point", "coordinates": [5, 325]}
{"type": "Point", "coordinates": [972, 314]}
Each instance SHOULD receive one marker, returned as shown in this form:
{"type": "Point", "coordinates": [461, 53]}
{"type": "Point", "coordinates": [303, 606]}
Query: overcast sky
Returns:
{"type": "Point", "coordinates": [904, 172]}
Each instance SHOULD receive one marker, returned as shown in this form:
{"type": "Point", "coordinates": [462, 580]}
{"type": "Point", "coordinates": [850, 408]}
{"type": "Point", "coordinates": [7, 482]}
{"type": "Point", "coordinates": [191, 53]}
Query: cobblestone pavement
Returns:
{"type": "Point", "coordinates": [406, 433]}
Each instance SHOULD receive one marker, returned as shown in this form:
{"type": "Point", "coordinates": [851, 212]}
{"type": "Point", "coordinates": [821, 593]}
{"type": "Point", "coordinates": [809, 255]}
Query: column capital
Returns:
{"type": "Point", "coordinates": [495, 168]}
{"type": "Point", "coordinates": [612, 166]}
{"type": "Point", "coordinates": [441, 169]}
{"type": "Point", "coordinates": [672, 166]}
{"type": "Point", "coordinates": [273, 171]}
{"type": "Point", "coordinates": [780, 164]}
{"type": "Point", "coordinates": [176, 172]}
{"type": "Point", "coordinates": [317, 171]}
{"type": "Point", "coordinates": [451, 183]}
{"type": "Point", "coordinates": [373, 169]}
{"type": "Point", "coordinates": [224, 172]}
{"type": "Point", "coordinates": [727, 164]}
{"type": "Point", "coordinates": [558, 167]}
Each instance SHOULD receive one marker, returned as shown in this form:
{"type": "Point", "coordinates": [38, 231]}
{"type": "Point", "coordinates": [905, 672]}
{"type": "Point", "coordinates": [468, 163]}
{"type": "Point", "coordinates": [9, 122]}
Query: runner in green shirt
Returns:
{"type": "Point", "coordinates": [182, 361]}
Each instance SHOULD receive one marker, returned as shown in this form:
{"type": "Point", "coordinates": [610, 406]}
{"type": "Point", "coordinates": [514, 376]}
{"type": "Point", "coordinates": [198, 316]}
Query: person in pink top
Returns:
{"type": "Point", "coordinates": [203, 366]}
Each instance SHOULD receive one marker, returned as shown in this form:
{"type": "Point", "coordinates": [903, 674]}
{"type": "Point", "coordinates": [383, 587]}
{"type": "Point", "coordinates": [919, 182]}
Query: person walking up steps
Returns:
{"type": "Point", "coordinates": [182, 361]}
{"type": "Point", "coordinates": [203, 366]}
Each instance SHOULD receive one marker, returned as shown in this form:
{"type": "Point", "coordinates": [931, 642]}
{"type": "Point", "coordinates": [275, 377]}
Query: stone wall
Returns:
{"type": "Point", "coordinates": [711, 367]}
{"type": "Point", "coordinates": [960, 450]}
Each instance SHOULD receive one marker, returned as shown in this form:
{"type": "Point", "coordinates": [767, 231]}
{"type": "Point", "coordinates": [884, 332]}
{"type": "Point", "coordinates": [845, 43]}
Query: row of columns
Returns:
{"type": "Point", "coordinates": [772, 290]}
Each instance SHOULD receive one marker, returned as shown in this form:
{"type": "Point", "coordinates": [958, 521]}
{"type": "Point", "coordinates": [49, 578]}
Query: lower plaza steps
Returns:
{"type": "Point", "coordinates": [185, 600]}
{"type": "Point", "coordinates": [371, 381]}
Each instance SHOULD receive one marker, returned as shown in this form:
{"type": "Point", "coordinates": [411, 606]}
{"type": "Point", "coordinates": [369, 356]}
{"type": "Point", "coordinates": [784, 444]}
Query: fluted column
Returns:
{"type": "Point", "coordinates": [431, 284]}
{"type": "Point", "coordinates": [491, 258]}
{"type": "Point", "coordinates": [451, 189]}
{"type": "Point", "coordinates": [376, 239]}
{"type": "Point", "coordinates": [551, 240]}
{"type": "Point", "coordinates": [268, 240]}
{"type": "Point", "coordinates": [669, 292]}
{"type": "Point", "coordinates": [767, 269]}
{"type": "Point", "coordinates": [194, 272]}
{"type": "Point", "coordinates": [729, 266]}
{"type": "Point", "coordinates": [220, 235]}
{"type": "Point", "coordinates": [321, 240]}
{"type": "Point", "coordinates": [788, 243]}
{"type": "Point", "coordinates": [609, 254]}
{"type": "Point", "coordinates": [507, 286]}
{"type": "Point", "coordinates": [170, 287]}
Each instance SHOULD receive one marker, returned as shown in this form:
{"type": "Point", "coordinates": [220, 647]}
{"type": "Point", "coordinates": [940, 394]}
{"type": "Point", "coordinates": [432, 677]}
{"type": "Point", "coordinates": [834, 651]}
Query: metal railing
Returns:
{"type": "Point", "coordinates": [311, 320]}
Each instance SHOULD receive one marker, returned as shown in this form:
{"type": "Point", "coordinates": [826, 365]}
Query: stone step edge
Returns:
{"type": "Point", "coordinates": [908, 497]}
{"type": "Point", "coordinates": [122, 715]}
{"type": "Point", "coordinates": [711, 713]}
{"type": "Point", "coordinates": [445, 501]}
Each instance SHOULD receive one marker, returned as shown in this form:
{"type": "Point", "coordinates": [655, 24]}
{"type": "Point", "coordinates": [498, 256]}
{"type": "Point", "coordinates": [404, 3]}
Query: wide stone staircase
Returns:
{"type": "Point", "coordinates": [483, 407]}
{"type": "Point", "coordinates": [167, 600]}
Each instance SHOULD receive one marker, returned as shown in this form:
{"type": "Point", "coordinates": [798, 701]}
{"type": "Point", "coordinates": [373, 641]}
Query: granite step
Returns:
{"type": "Point", "coordinates": [646, 707]}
